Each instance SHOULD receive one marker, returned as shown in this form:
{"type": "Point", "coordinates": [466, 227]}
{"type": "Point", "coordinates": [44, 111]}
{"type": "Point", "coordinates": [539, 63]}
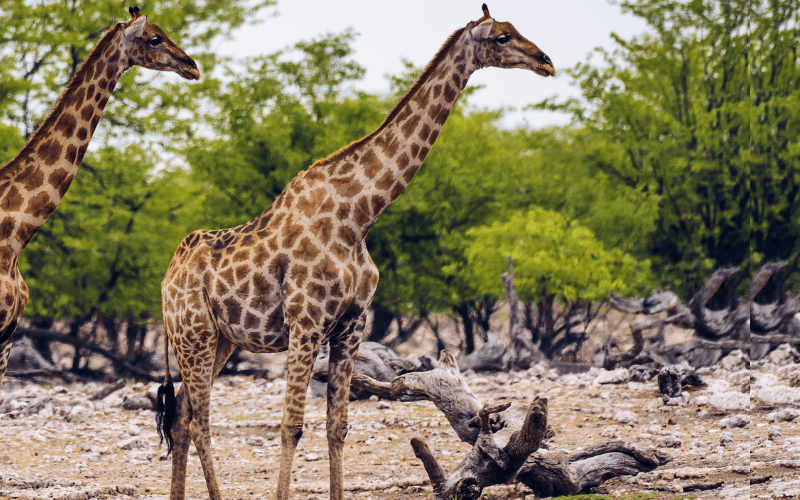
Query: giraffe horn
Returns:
{"type": "Point", "coordinates": [135, 12]}
{"type": "Point", "coordinates": [485, 11]}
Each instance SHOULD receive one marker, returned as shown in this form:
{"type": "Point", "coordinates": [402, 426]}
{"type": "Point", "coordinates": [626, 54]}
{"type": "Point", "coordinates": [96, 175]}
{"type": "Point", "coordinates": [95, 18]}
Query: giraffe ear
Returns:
{"type": "Point", "coordinates": [136, 29]}
{"type": "Point", "coordinates": [481, 31]}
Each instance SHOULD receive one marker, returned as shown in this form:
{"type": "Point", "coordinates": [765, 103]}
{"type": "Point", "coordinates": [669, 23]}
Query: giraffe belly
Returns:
{"type": "Point", "coordinates": [256, 331]}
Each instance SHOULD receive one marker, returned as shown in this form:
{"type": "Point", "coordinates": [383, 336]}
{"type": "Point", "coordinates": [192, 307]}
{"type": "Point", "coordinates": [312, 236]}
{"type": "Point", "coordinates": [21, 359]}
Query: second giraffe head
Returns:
{"type": "Point", "coordinates": [148, 46]}
{"type": "Point", "coordinates": [499, 44]}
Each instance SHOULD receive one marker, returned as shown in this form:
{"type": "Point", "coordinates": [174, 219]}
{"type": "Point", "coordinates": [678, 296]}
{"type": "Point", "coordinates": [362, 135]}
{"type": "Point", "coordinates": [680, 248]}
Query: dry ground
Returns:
{"type": "Point", "coordinates": [61, 453]}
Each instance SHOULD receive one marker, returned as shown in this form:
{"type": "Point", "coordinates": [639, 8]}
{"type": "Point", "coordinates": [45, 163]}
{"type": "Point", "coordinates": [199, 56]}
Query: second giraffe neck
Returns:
{"type": "Point", "coordinates": [33, 183]}
{"type": "Point", "coordinates": [371, 173]}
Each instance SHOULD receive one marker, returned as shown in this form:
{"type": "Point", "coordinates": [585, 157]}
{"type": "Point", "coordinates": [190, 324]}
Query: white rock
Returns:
{"type": "Point", "coordinates": [133, 443]}
{"type": "Point", "coordinates": [311, 457]}
{"type": "Point", "coordinates": [774, 432]}
{"type": "Point", "coordinates": [618, 376]}
{"type": "Point", "coordinates": [626, 417]}
{"type": "Point", "coordinates": [778, 394]}
{"type": "Point", "coordinates": [38, 437]}
{"type": "Point", "coordinates": [729, 401]}
{"type": "Point", "coordinates": [668, 442]}
{"type": "Point", "coordinates": [133, 429]}
{"type": "Point", "coordinates": [234, 454]}
{"type": "Point", "coordinates": [255, 441]}
{"type": "Point", "coordinates": [78, 414]}
{"type": "Point", "coordinates": [68, 448]}
{"type": "Point", "coordinates": [610, 432]}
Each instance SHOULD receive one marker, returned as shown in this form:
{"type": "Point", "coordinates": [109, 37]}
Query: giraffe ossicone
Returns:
{"type": "Point", "coordinates": [33, 183]}
{"type": "Point", "coordinates": [299, 275]}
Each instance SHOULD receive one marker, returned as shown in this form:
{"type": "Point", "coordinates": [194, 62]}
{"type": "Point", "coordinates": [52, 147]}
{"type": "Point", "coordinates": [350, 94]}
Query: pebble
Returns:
{"type": "Point", "coordinates": [255, 441]}
{"type": "Point", "coordinates": [668, 442]}
{"type": "Point", "coordinates": [626, 417]}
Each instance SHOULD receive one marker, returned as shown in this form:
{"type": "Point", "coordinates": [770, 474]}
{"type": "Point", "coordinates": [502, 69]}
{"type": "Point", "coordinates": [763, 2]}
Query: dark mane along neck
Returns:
{"type": "Point", "coordinates": [423, 77]}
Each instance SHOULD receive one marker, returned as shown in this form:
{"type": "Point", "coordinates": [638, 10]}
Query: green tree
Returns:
{"type": "Point", "coordinates": [677, 101]}
{"type": "Point", "coordinates": [106, 248]}
{"type": "Point", "coordinates": [555, 260]}
{"type": "Point", "coordinates": [775, 135]}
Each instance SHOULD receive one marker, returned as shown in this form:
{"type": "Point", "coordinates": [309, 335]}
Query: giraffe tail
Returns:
{"type": "Point", "coordinates": [165, 403]}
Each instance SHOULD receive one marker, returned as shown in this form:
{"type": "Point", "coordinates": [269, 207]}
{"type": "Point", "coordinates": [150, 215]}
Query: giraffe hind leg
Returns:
{"type": "Point", "coordinates": [192, 424]}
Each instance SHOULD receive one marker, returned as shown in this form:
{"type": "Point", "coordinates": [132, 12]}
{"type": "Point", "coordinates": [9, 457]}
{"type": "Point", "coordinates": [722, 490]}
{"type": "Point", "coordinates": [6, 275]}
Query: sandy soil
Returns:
{"type": "Point", "coordinates": [101, 450]}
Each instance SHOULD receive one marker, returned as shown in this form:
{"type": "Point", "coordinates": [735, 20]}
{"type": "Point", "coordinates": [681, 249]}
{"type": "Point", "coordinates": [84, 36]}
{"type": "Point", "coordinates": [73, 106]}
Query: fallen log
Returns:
{"type": "Point", "coordinates": [117, 360]}
{"type": "Point", "coordinates": [492, 430]}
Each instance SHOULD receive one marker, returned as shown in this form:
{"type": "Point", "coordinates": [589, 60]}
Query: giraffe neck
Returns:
{"type": "Point", "coordinates": [371, 173]}
{"type": "Point", "coordinates": [33, 183]}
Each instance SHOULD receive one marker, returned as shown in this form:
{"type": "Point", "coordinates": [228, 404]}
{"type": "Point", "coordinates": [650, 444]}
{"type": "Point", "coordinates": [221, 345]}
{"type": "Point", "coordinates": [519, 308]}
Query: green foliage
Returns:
{"type": "Point", "coordinates": [277, 114]}
{"type": "Point", "coordinates": [109, 244]}
{"type": "Point", "coordinates": [552, 256]}
{"type": "Point", "coordinates": [677, 102]}
{"type": "Point", "coordinates": [775, 133]}
{"type": "Point", "coordinates": [106, 248]}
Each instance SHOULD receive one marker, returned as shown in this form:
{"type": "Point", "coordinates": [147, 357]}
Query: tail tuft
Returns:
{"type": "Point", "coordinates": [165, 413]}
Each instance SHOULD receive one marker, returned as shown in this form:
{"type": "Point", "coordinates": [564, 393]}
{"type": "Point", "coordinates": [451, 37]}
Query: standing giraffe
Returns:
{"type": "Point", "coordinates": [33, 182]}
{"type": "Point", "coordinates": [299, 275]}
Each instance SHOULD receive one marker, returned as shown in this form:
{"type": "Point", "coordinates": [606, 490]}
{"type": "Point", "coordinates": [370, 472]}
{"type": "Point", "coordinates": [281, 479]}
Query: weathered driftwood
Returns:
{"type": "Point", "coordinates": [555, 474]}
{"type": "Point", "coordinates": [717, 331]}
{"type": "Point", "coordinates": [485, 464]}
{"type": "Point", "coordinates": [489, 462]}
{"type": "Point", "coordinates": [373, 360]}
{"type": "Point", "coordinates": [119, 362]}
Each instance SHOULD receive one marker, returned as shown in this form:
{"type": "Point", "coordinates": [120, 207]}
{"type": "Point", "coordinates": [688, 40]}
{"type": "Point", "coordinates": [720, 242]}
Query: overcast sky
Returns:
{"type": "Point", "coordinates": [566, 30]}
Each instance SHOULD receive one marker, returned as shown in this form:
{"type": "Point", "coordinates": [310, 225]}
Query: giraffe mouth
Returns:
{"type": "Point", "coordinates": [190, 73]}
{"type": "Point", "coordinates": [544, 69]}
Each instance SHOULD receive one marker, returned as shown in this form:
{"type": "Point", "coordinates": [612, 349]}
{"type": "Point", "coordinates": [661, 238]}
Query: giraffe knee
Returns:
{"type": "Point", "coordinates": [292, 433]}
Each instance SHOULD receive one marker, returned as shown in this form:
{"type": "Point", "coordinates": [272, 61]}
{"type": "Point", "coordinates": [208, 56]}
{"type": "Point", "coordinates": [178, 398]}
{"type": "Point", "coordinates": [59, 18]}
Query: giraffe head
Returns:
{"type": "Point", "coordinates": [148, 46]}
{"type": "Point", "coordinates": [499, 44]}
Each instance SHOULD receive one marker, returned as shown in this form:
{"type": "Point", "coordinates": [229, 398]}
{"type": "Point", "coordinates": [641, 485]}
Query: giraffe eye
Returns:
{"type": "Point", "coordinates": [503, 39]}
{"type": "Point", "coordinates": [154, 41]}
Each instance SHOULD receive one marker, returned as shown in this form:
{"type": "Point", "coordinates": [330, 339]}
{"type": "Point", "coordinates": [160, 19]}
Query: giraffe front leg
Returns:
{"type": "Point", "coordinates": [302, 353]}
{"type": "Point", "coordinates": [340, 370]}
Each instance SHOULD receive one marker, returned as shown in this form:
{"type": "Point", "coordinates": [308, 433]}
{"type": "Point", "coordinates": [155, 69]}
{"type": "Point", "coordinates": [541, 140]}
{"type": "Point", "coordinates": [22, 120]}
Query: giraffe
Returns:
{"type": "Point", "coordinates": [299, 275]}
{"type": "Point", "coordinates": [33, 183]}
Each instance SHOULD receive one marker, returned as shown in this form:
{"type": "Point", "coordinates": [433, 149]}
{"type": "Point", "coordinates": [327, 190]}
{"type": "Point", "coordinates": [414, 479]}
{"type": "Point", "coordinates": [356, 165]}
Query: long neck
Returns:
{"type": "Point", "coordinates": [33, 183]}
{"type": "Point", "coordinates": [371, 173]}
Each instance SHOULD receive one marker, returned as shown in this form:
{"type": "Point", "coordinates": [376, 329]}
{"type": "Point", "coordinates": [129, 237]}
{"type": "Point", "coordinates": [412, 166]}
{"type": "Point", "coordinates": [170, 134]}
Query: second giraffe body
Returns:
{"type": "Point", "coordinates": [299, 275]}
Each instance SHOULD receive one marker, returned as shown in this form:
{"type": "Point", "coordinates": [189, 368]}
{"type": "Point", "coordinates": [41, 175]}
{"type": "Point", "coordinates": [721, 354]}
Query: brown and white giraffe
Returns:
{"type": "Point", "coordinates": [33, 183]}
{"type": "Point", "coordinates": [299, 275]}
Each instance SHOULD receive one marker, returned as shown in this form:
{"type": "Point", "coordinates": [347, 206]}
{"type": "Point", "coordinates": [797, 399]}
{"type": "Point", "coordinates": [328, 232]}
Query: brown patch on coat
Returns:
{"type": "Point", "coordinates": [40, 206]}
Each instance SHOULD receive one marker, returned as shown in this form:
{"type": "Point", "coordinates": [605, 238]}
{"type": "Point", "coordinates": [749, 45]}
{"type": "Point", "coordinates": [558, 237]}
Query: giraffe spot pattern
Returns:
{"type": "Point", "coordinates": [49, 152]}
{"type": "Point", "coordinates": [66, 124]}
{"type": "Point", "coordinates": [32, 178]}
{"type": "Point", "coordinates": [410, 126]}
{"type": "Point", "coordinates": [362, 215]}
{"type": "Point", "coordinates": [306, 250]}
{"type": "Point", "coordinates": [372, 164]}
{"type": "Point", "coordinates": [12, 201]}
{"type": "Point", "coordinates": [40, 206]}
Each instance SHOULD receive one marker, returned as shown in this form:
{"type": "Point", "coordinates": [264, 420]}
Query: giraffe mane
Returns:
{"type": "Point", "coordinates": [353, 146]}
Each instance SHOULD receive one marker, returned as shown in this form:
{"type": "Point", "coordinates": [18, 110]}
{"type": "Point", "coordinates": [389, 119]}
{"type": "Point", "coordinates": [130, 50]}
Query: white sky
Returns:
{"type": "Point", "coordinates": [566, 30]}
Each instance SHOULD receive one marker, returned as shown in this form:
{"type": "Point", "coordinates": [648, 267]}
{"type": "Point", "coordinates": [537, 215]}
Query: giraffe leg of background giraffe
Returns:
{"type": "Point", "coordinates": [180, 426]}
{"type": "Point", "coordinates": [343, 346]}
{"type": "Point", "coordinates": [302, 354]}
{"type": "Point", "coordinates": [5, 351]}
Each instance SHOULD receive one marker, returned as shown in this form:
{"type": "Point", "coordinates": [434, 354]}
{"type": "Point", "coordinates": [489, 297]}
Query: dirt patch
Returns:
{"type": "Point", "coordinates": [108, 452]}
